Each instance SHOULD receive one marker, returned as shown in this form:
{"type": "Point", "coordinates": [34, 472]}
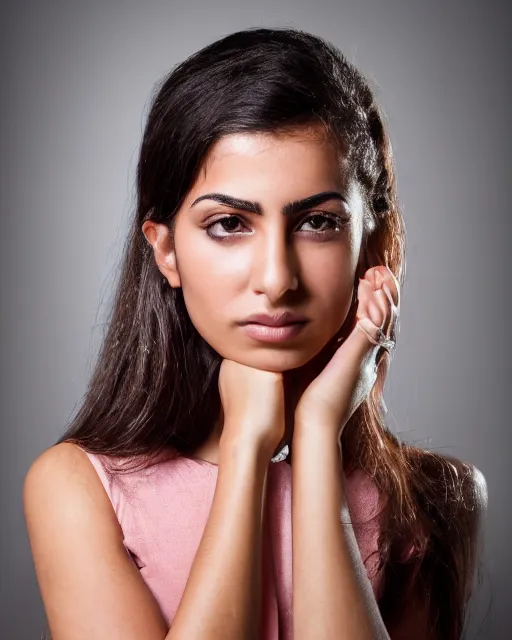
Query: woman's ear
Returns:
{"type": "Point", "coordinates": [160, 238]}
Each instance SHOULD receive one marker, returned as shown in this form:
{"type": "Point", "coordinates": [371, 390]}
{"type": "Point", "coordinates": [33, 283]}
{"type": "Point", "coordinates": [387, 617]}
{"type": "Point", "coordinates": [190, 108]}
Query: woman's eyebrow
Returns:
{"type": "Point", "coordinates": [289, 209]}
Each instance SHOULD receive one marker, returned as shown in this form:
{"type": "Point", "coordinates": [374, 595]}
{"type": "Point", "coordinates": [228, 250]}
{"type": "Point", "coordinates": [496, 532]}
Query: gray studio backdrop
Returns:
{"type": "Point", "coordinates": [76, 78]}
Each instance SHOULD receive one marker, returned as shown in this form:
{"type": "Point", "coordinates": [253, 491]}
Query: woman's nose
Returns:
{"type": "Point", "coordinates": [275, 268]}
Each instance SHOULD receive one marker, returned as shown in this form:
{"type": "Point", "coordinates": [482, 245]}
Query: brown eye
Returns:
{"type": "Point", "coordinates": [229, 224]}
{"type": "Point", "coordinates": [322, 219]}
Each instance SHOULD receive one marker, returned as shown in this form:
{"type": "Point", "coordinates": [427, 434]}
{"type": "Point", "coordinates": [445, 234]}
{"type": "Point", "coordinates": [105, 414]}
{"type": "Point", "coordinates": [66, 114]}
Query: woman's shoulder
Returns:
{"type": "Point", "coordinates": [432, 561]}
{"type": "Point", "coordinates": [457, 484]}
{"type": "Point", "coordinates": [451, 495]}
{"type": "Point", "coordinates": [472, 486]}
{"type": "Point", "coordinates": [67, 465]}
{"type": "Point", "coordinates": [62, 458]}
{"type": "Point", "coordinates": [59, 479]}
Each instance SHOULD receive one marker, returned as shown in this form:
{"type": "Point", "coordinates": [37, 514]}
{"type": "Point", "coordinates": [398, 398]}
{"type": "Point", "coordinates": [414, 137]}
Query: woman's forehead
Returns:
{"type": "Point", "coordinates": [273, 162]}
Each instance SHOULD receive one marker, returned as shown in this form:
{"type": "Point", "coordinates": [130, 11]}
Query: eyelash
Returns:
{"type": "Point", "coordinates": [339, 222]}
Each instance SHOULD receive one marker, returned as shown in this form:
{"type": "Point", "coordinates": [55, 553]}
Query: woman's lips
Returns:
{"type": "Point", "coordinates": [273, 334]}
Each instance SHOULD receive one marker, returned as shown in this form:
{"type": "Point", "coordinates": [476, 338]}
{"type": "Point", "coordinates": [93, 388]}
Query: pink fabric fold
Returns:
{"type": "Point", "coordinates": [163, 511]}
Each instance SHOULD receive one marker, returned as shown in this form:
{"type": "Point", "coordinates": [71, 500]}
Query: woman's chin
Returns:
{"type": "Point", "coordinates": [298, 363]}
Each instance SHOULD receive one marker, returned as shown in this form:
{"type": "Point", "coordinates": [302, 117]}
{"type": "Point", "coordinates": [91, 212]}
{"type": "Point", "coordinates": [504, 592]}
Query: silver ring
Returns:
{"type": "Point", "coordinates": [282, 455]}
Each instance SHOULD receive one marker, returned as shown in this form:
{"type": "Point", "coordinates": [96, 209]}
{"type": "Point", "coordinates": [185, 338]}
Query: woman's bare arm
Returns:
{"type": "Point", "coordinates": [332, 595]}
{"type": "Point", "coordinates": [92, 590]}
{"type": "Point", "coordinates": [222, 598]}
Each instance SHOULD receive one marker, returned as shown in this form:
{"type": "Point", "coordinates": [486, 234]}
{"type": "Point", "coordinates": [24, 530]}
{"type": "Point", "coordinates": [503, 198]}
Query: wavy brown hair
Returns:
{"type": "Point", "coordinates": [155, 383]}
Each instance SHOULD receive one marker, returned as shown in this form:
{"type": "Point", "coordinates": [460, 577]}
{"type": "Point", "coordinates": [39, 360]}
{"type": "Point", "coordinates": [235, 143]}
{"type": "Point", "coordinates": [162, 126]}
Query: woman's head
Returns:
{"type": "Point", "coordinates": [262, 256]}
{"type": "Point", "coordinates": [272, 117]}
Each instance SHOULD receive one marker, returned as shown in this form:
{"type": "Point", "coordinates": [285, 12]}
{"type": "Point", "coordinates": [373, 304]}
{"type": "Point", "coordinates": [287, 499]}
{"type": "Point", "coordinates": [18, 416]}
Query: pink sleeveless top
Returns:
{"type": "Point", "coordinates": [163, 511]}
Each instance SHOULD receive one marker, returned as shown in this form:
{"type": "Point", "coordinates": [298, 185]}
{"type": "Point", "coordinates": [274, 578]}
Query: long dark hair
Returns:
{"type": "Point", "coordinates": [155, 385]}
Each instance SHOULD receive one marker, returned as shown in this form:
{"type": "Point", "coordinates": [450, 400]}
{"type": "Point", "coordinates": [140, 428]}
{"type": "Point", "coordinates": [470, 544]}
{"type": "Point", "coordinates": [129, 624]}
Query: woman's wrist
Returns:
{"type": "Point", "coordinates": [310, 431]}
{"type": "Point", "coordinates": [245, 448]}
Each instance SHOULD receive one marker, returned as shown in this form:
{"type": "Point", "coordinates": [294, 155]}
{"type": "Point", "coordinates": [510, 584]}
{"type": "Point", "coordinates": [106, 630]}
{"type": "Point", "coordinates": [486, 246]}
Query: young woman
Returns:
{"type": "Point", "coordinates": [246, 355]}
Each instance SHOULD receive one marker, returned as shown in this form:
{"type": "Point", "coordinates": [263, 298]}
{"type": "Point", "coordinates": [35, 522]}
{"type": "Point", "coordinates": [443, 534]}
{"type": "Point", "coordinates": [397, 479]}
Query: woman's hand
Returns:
{"type": "Point", "coordinates": [252, 405]}
{"type": "Point", "coordinates": [333, 396]}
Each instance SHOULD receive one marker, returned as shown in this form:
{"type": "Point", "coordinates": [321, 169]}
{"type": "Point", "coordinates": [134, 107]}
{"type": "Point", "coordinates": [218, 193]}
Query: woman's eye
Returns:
{"type": "Point", "coordinates": [231, 222]}
{"type": "Point", "coordinates": [334, 223]}
{"type": "Point", "coordinates": [321, 224]}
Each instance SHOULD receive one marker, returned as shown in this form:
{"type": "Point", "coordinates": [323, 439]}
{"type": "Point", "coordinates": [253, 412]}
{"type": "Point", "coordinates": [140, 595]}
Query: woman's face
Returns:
{"type": "Point", "coordinates": [232, 263]}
